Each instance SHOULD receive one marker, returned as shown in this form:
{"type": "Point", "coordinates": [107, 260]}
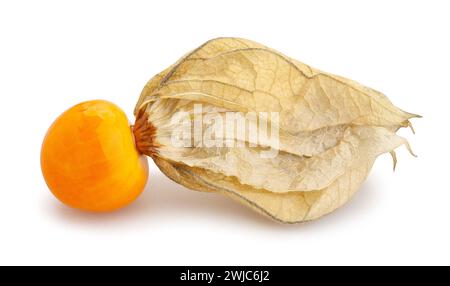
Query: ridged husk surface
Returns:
{"type": "Point", "coordinates": [331, 129]}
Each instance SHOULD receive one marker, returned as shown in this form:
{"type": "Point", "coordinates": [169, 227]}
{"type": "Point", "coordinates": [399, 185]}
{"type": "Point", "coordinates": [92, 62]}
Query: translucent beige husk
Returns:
{"type": "Point", "coordinates": [331, 129]}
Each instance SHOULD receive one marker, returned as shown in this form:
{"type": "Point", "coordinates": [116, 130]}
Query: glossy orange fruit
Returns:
{"type": "Point", "coordinates": [89, 159]}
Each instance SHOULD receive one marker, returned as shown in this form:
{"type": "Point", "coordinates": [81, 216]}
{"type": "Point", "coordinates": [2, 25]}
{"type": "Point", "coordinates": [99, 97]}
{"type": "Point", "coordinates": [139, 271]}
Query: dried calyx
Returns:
{"type": "Point", "coordinates": [144, 135]}
{"type": "Point", "coordinates": [329, 129]}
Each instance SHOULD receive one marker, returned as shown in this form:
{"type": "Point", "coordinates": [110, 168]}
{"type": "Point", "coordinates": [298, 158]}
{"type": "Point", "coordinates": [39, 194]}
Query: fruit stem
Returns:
{"type": "Point", "coordinates": [144, 135]}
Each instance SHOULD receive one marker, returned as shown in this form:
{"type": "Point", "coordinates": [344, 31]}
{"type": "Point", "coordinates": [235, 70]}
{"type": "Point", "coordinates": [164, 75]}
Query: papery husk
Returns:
{"type": "Point", "coordinates": [331, 129]}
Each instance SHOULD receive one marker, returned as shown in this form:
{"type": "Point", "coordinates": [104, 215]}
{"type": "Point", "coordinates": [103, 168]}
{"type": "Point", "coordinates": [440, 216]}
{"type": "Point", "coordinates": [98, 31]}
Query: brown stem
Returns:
{"type": "Point", "coordinates": [145, 135]}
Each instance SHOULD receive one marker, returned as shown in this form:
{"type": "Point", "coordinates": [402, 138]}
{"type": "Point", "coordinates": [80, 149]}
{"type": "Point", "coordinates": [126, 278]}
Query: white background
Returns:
{"type": "Point", "coordinates": [54, 54]}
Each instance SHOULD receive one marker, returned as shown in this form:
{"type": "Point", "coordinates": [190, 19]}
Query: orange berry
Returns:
{"type": "Point", "coordinates": [89, 159]}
